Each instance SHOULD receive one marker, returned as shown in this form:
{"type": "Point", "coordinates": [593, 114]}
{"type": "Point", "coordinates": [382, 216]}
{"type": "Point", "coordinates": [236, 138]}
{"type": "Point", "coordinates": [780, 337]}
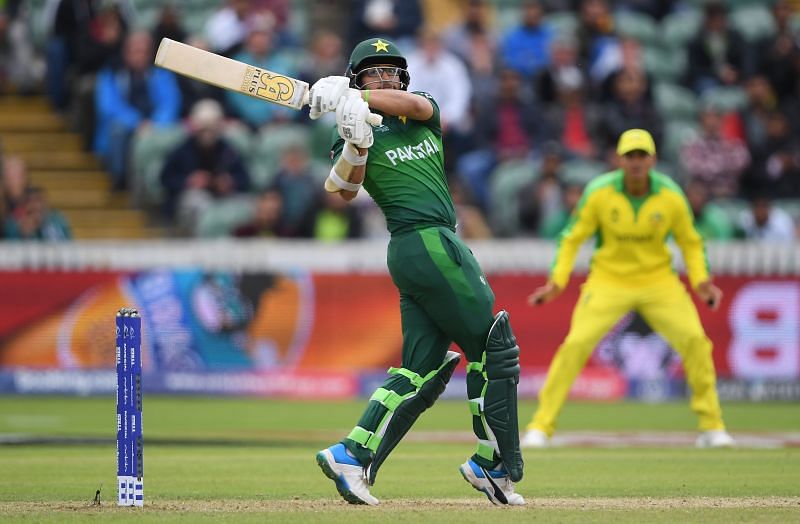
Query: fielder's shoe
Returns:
{"type": "Point", "coordinates": [534, 438]}
{"type": "Point", "coordinates": [494, 483]}
{"type": "Point", "coordinates": [348, 474]}
{"type": "Point", "coordinates": [717, 438]}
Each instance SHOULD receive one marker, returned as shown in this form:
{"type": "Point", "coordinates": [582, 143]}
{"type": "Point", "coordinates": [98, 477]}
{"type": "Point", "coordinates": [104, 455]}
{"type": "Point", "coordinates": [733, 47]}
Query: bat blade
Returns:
{"type": "Point", "coordinates": [230, 74]}
{"type": "Point", "coordinates": [234, 75]}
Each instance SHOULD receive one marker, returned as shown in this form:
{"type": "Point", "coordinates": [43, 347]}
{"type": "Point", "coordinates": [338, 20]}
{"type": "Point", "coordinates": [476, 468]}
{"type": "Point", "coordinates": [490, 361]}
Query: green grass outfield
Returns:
{"type": "Point", "coordinates": [252, 460]}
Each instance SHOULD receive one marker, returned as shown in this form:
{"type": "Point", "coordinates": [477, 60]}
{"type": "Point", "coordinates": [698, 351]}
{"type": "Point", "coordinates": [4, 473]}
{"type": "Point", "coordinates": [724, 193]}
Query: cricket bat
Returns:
{"type": "Point", "coordinates": [237, 76]}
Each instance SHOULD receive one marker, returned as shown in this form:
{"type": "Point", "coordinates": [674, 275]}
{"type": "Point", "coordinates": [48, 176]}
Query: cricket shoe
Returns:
{"type": "Point", "coordinates": [534, 438]}
{"type": "Point", "coordinates": [347, 473]}
{"type": "Point", "coordinates": [494, 483]}
{"type": "Point", "coordinates": [716, 438]}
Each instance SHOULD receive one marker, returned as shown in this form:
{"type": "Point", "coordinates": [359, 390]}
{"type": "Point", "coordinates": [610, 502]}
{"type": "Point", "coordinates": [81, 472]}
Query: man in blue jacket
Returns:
{"type": "Point", "coordinates": [129, 98]}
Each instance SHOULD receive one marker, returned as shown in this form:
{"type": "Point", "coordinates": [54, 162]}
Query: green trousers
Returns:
{"type": "Point", "coordinates": [444, 298]}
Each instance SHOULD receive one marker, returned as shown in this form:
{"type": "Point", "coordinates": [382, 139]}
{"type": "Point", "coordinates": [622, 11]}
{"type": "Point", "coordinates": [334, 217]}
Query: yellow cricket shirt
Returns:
{"type": "Point", "coordinates": [632, 233]}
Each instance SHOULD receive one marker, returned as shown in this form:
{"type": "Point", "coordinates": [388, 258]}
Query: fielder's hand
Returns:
{"type": "Point", "coordinates": [544, 294]}
{"type": "Point", "coordinates": [710, 294]}
{"type": "Point", "coordinates": [351, 121]}
{"type": "Point", "coordinates": [325, 94]}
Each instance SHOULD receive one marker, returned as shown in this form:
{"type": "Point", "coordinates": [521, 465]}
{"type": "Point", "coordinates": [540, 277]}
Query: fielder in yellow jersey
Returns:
{"type": "Point", "coordinates": [632, 212]}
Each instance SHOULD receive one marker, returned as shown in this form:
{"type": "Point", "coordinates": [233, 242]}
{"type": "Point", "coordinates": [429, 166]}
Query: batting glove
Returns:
{"type": "Point", "coordinates": [325, 95]}
{"type": "Point", "coordinates": [351, 121]}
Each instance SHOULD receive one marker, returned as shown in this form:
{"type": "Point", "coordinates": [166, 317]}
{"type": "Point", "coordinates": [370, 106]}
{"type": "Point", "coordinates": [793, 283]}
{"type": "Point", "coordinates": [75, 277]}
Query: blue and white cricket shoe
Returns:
{"type": "Point", "coordinates": [348, 474]}
{"type": "Point", "coordinates": [494, 483]}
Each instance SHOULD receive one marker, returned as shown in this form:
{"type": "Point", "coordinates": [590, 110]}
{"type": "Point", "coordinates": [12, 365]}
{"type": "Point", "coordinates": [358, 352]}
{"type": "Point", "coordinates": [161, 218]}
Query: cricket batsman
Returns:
{"type": "Point", "coordinates": [632, 211]}
{"type": "Point", "coordinates": [444, 295]}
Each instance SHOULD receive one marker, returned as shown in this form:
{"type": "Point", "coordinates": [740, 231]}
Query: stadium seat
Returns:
{"type": "Point", "coordinates": [675, 102]}
{"type": "Point", "coordinates": [676, 133]}
{"type": "Point", "coordinates": [791, 206]}
{"type": "Point", "coordinates": [267, 149]}
{"type": "Point", "coordinates": [506, 182]}
{"type": "Point", "coordinates": [754, 22]}
{"type": "Point", "coordinates": [680, 27]}
{"type": "Point", "coordinates": [725, 98]}
{"type": "Point", "coordinates": [580, 172]}
{"type": "Point", "coordinates": [732, 207]}
{"type": "Point", "coordinates": [240, 138]}
{"type": "Point", "coordinates": [564, 23]}
{"type": "Point", "coordinates": [665, 64]}
{"type": "Point", "coordinates": [148, 153]}
{"type": "Point", "coordinates": [221, 219]}
{"type": "Point", "coordinates": [638, 26]}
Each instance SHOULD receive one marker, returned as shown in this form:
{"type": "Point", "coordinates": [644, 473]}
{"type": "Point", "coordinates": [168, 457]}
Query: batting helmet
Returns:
{"type": "Point", "coordinates": [375, 51]}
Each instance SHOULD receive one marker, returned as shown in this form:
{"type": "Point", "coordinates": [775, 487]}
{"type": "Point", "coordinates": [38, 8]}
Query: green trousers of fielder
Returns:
{"type": "Point", "coordinates": [444, 297]}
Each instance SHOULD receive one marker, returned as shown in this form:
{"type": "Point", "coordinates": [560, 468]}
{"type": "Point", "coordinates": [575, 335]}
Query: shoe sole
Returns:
{"type": "Point", "coordinates": [341, 485]}
{"type": "Point", "coordinates": [474, 482]}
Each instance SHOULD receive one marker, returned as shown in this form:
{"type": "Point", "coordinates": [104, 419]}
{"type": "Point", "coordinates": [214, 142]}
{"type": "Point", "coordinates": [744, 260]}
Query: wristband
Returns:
{"type": "Point", "coordinates": [341, 183]}
{"type": "Point", "coordinates": [366, 95]}
{"type": "Point", "coordinates": [351, 156]}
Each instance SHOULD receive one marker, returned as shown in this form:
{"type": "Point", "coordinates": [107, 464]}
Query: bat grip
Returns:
{"type": "Point", "coordinates": [373, 119]}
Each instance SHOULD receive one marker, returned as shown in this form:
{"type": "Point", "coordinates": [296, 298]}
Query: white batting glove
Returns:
{"type": "Point", "coordinates": [325, 94]}
{"type": "Point", "coordinates": [351, 121]}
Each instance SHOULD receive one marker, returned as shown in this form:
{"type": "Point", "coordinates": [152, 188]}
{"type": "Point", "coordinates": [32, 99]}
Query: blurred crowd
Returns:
{"type": "Point", "coordinates": [533, 96]}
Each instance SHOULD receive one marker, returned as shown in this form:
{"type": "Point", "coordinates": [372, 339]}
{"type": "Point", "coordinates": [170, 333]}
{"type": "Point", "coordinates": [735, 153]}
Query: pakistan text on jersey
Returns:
{"type": "Point", "coordinates": [424, 149]}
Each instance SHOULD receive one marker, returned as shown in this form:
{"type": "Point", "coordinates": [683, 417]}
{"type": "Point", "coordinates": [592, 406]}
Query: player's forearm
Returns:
{"type": "Point", "coordinates": [399, 103]}
{"type": "Point", "coordinates": [356, 177]}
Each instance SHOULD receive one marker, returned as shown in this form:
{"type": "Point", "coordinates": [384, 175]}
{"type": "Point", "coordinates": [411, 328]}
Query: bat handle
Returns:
{"type": "Point", "coordinates": [373, 119]}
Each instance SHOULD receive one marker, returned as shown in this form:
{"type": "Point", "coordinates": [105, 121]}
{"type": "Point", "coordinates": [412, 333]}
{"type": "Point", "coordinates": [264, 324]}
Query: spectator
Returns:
{"type": "Point", "coordinates": [658, 9]}
{"type": "Point", "coordinates": [598, 44]}
{"type": "Point", "coordinates": [325, 57]}
{"type": "Point", "coordinates": [474, 42]}
{"type": "Point", "coordinates": [227, 28]}
{"type": "Point", "coordinates": [34, 220]}
{"type": "Point", "coordinates": [459, 38]}
{"type": "Point", "coordinates": [763, 221]}
{"type": "Point", "coordinates": [336, 221]}
{"type": "Point", "coordinates": [204, 171]}
{"type": "Point", "coordinates": [628, 58]}
{"type": "Point", "coordinates": [398, 20]}
{"type": "Point", "coordinates": [761, 103]}
{"type": "Point", "coordinates": [71, 21]}
{"type": "Point", "coordinates": [572, 121]}
{"type": "Point", "coordinates": [776, 164]}
{"type": "Point", "coordinates": [718, 55]}
{"type": "Point", "coordinates": [779, 54]}
{"type": "Point", "coordinates": [509, 128]}
{"type": "Point", "coordinates": [553, 224]}
{"type": "Point", "coordinates": [259, 51]}
{"type": "Point", "coordinates": [20, 68]}
{"type": "Point", "coordinates": [470, 222]}
{"type": "Point", "coordinates": [710, 220]}
{"type": "Point", "coordinates": [169, 24]}
{"type": "Point", "coordinates": [526, 49]}
{"type": "Point", "coordinates": [437, 71]}
{"type": "Point", "coordinates": [131, 98]}
{"type": "Point", "coordinates": [98, 47]}
{"type": "Point", "coordinates": [267, 217]}
{"type": "Point", "coordinates": [563, 67]}
{"type": "Point", "coordinates": [716, 161]}
{"type": "Point", "coordinates": [14, 182]}
{"type": "Point", "coordinates": [300, 189]}
{"type": "Point", "coordinates": [543, 198]}
{"type": "Point", "coordinates": [629, 109]}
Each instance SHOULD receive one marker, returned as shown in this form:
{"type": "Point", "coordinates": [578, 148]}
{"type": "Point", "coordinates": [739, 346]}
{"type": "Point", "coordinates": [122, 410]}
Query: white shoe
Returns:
{"type": "Point", "coordinates": [534, 438]}
{"type": "Point", "coordinates": [494, 483]}
{"type": "Point", "coordinates": [717, 438]}
{"type": "Point", "coordinates": [347, 473]}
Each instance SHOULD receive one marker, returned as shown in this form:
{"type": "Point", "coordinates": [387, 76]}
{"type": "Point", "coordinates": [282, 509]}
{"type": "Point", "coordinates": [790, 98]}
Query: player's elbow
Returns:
{"type": "Point", "coordinates": [421, 108]}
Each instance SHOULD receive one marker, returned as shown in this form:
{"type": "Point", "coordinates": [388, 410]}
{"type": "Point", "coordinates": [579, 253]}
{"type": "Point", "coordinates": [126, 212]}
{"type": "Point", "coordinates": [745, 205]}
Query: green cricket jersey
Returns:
{"type": "Point", "coordinates": [405, 172]}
